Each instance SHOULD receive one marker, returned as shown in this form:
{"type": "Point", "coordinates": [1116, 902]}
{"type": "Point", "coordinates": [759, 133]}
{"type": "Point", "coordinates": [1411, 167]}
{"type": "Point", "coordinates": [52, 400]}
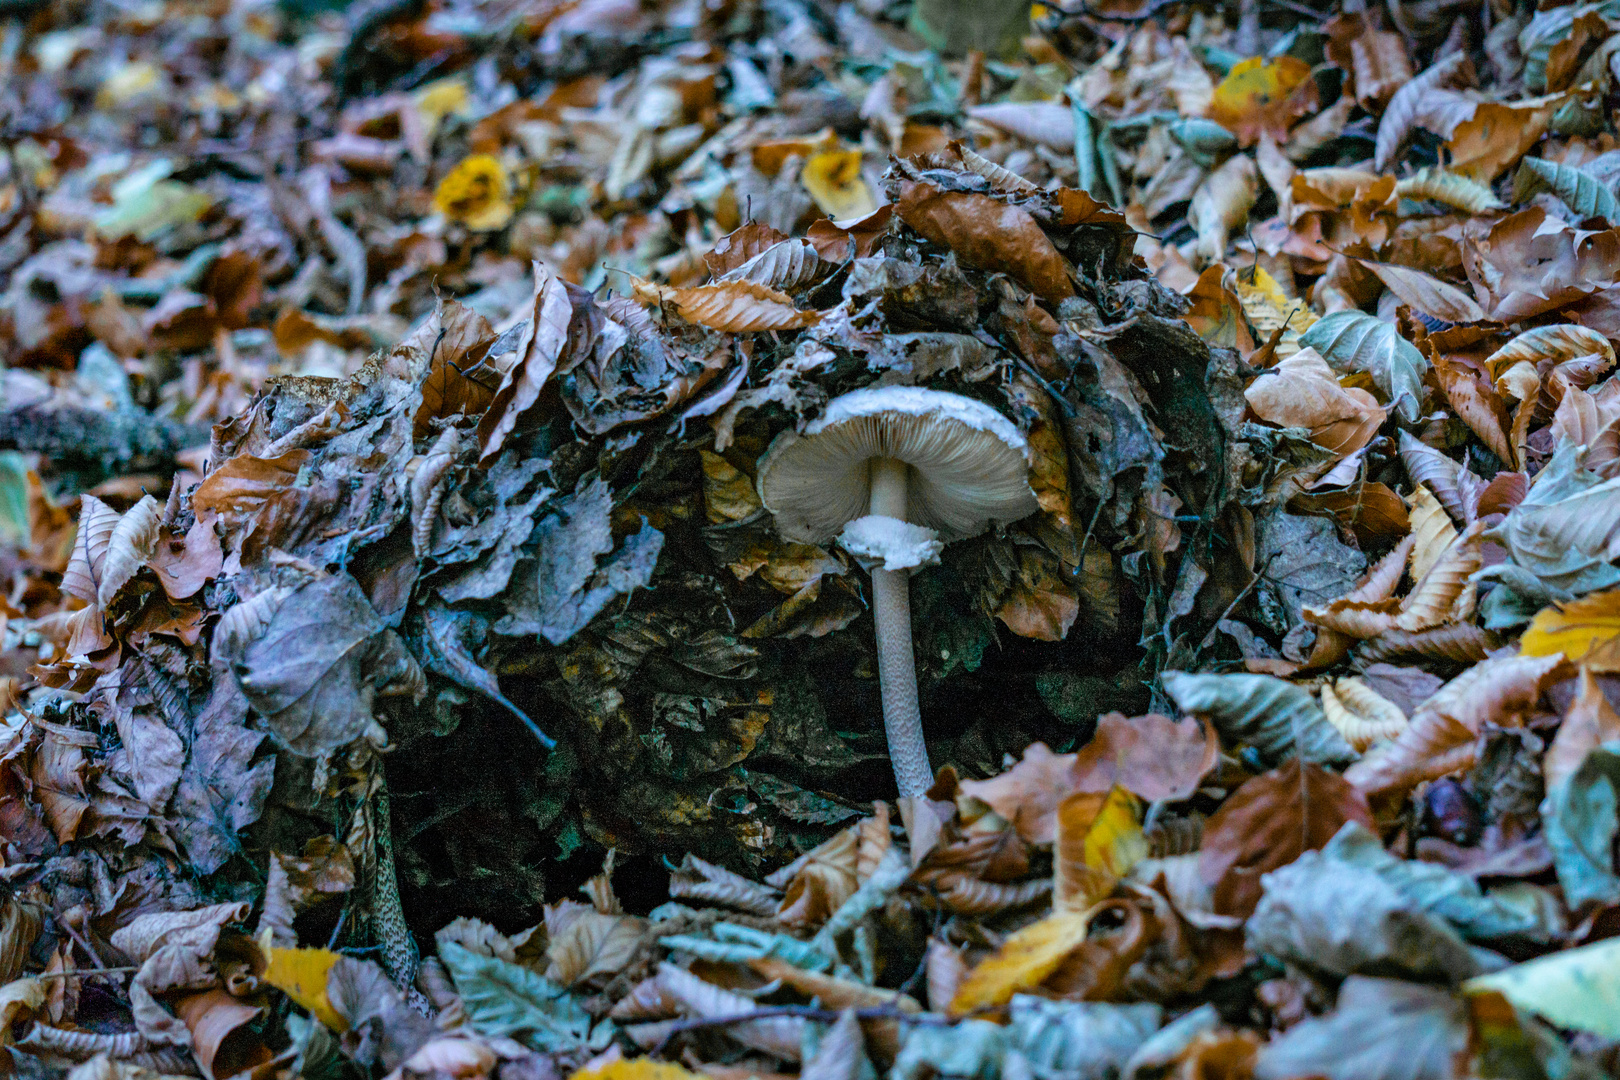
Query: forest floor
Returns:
{"type": "Point", "coordinates": [407, 669]}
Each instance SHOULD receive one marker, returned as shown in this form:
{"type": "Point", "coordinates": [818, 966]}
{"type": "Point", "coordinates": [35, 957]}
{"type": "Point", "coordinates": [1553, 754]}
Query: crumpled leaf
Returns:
{"type": "Point", "coordinates": [1406, 106]}
{"type": "Point", "coordinates": [569, 588]}
{"type": "Point", "coordinates": [314, 671]}
{"type": "Point", "coordinates": [1302, 391]}
{"type": "Point", "coordinates": [1356, 341]}
{"type": "Point", "coordinates": [1276, 717]}
{"type": "Point", "coordinates": [987, 233]}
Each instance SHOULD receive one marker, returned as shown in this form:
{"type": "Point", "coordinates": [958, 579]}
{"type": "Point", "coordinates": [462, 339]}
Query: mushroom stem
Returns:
{"type": "Point", "coordinates": [897, 667]}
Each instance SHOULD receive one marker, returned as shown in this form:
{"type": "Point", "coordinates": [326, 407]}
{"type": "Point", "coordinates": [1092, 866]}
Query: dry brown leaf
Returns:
{"type": "Point", "coordinates": [1444, 734]}
{"type": "Point", "coordinates": [987, 233]}
{"type": "Point", "coordinates": [1406, 106]}
{"type": "Point", "coordinates": [1589, 722]}
{"type": "Point", "coordinates": [1432, 599]}
{"type": "Point", "coordinates": [1303, 391]}
{"type": "Point", "coordinates": [734, 307]}
{"type": "Point", "coordinates": [1222, 203]}
{"type": "Point", "coordinates": [1269, 822]}
{"type": "Point", "coordinates": [538, 349]}
{"type": "Point", "coordinates": [83, 575]}
{"type": "Point", "coordinates": [1498, 134]}
{"type": "Point", "coordinates": [1477, 404]}
{"type": "Point", "coordinates": [594, 947]}
{"type": "Point", "coordinates": [1432, 530]}
{"type": "Point", "coordinates": [1359, 619]}
{"type": "Point", "coordinates": [131, 545]}
{"type": "Point", "coordinates": [1427, 294]}
{"type": "Point", "coordinates": [1362, 715]}
{"type": "Point", "coordinates": [1380, 65]}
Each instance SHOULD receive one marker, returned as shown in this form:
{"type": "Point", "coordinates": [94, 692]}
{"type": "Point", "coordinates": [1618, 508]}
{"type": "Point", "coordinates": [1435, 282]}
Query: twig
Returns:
{"type": "Point", "coordinates": [1209, 638]}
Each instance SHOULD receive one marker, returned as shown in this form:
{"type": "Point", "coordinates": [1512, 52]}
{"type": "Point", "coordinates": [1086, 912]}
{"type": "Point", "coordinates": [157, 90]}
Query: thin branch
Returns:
{"type": "Point", "coordinates": [1082, 10]}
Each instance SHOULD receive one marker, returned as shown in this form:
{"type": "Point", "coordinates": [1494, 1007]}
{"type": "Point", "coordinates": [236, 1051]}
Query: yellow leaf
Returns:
{"type": "Point", "coordinates": [1099, 839]}
{"type": "Point", "coordinates": [437, 100]}
{"type": "Point", "coordinates": [833, 179]}
{"type": "Point", "coordinates": [635, 1069]}
{"type": "Point", "coordinates": [1268, 307]}
{"type": "Point", "coordinates": [301, 975]}
{"type": "Point", "coordinates": [477, 194]}
{"type": "Point", "coordinates": [1585, 630]}
{"type": "Point", "coordinates": [1024, 960]}
{"type": "Point", "coordinates": [1260, 95]}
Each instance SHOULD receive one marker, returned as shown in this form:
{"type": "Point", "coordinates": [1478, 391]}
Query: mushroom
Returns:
{"type": "Point", "coordinates": [895, 474]}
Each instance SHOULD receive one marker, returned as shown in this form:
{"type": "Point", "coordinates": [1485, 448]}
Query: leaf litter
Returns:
{"type": "Point", "coordinates": [385, 392]}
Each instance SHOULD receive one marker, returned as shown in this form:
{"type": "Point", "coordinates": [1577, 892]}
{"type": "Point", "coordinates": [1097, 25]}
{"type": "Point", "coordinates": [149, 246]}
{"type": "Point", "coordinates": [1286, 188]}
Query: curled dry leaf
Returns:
{"type": "Point", "coordinates": [1363, 716]}
{"type": "Point", "coordinates": [1444, 733]}
{"type": "Point", "coordinates": [83, 575]}
{"type": "Point", "coordinates": [1450, 189]}
{"type": "Point", "coordinates": [1433, 599]}
{"type": "Point", "coordinates": [1432, 531]}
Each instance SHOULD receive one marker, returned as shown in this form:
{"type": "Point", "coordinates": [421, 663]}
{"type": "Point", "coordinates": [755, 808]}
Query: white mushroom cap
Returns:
{"type": "Point", "coordinates": [969, 466]}
{"type": "Point", "coordinates": [888, 542]}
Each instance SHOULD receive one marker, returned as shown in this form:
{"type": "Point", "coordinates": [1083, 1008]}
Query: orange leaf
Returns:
{"type": "Point", "coordinates": [1260, 95]}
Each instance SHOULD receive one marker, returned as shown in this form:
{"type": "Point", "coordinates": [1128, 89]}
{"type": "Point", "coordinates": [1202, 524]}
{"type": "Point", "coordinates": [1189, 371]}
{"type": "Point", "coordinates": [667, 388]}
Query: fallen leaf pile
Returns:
{"type": "Point", "coordinates": [384, 392]}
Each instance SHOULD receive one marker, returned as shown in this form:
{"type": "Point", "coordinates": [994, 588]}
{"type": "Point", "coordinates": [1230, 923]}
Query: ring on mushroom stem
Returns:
{"type": "Point", "coordinates": [895, 474]}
